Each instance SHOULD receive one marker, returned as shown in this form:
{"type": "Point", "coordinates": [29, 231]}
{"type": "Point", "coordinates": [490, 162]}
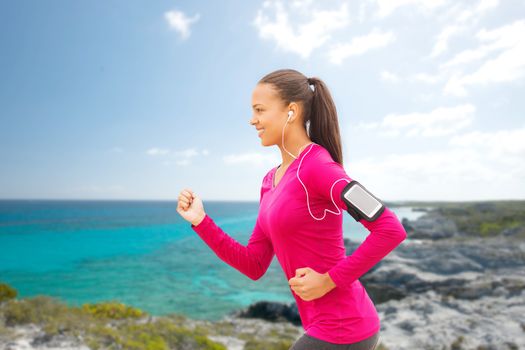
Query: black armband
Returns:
{"type": "Point", "coordinates": [361, 204]}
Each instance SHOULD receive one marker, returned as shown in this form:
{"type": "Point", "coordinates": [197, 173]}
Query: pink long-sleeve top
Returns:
{"type": "Point", "coordinates": [285, 228]}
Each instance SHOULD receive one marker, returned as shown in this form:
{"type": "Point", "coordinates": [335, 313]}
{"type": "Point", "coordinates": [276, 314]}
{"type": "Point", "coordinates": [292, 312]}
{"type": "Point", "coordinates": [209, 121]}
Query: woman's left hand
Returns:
{"type": "Point", "coordinates": [308, 284]}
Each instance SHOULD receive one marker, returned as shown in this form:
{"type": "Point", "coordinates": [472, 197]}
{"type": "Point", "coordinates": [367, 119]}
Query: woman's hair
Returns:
{"type": "Point", "coordinates": [320, 115]}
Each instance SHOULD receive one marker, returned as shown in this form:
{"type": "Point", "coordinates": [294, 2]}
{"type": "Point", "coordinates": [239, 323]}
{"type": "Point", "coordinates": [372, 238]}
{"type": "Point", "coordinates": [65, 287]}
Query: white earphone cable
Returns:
{"type": "Point", "coordinates": [290, 113]}
{"type": "Point", "coordinates": [331, 194]}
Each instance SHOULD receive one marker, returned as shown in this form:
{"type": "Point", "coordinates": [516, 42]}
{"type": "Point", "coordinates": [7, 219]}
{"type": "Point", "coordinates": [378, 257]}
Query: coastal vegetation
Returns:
{"type": "Point", "coordinates": [114, 325]}
{"type": "Point", "coordinates": [107, 325]}
{"type": "Point", "coordinates": [482, 218]}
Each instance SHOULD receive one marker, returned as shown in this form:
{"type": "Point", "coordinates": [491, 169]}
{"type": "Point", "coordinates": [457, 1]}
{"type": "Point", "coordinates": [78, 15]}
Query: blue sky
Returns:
{"type": "Point", "coordinates": [138, 100]}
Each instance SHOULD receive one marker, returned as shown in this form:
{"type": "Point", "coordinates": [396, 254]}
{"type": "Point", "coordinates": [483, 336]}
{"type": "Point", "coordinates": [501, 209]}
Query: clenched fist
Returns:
{"type": "Point", "coordinates": [190, 207]}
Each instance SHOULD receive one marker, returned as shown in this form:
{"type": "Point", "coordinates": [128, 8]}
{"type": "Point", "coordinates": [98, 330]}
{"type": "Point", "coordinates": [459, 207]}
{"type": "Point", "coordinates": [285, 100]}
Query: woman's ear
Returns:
{"type": "Point", "coordinates": [294, 109]}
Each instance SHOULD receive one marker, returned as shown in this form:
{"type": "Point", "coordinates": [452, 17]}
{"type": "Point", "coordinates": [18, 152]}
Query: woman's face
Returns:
{"type": "Point", "coordinates": [269, 114]}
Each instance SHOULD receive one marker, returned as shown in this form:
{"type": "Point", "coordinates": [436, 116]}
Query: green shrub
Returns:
{"type": "Point", "coordinates": [19, 312]}
{"type": "Point", "coordinates": [47, 312]}
{"type": "Point", "coordinates": [112, 310]}
{"type": "Point", "coordinates": [159, 335]}
{"type": "Point", "coordinates": [487, 229]}
{"type": "Point", "coordinates": [104, 326]}
{"type": "Point", "coordinates": [7, 292]}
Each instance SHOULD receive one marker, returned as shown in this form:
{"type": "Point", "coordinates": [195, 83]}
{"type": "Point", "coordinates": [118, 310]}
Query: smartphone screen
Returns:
{"type": "Point", "coordinates": [363, 200]}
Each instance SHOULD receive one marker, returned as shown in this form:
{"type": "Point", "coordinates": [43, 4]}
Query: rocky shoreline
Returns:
{"type": "Point", "coordinates": [440, 289]}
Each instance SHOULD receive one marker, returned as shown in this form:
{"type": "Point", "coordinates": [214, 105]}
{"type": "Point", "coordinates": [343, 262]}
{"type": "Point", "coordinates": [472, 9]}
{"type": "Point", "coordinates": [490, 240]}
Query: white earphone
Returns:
{"type": "Point", "coordinates": [290, 113]}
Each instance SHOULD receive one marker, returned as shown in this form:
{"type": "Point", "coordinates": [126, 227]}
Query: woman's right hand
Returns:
{"type": "Point", "coordinates": [190, 207]}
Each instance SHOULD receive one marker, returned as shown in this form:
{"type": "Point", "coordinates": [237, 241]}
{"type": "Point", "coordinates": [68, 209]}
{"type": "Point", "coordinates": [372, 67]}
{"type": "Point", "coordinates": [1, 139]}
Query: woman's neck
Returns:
{"type": "Point", "coordinates": [287, 159]}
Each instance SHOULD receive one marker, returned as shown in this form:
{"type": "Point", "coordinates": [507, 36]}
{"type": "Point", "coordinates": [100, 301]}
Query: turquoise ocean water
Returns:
{"type": "Point", "coordinates": [141, 253]}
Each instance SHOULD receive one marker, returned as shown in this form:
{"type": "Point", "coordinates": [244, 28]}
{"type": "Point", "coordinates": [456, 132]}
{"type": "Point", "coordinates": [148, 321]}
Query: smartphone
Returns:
{"type": "Point", "coordinates": [360, 199]}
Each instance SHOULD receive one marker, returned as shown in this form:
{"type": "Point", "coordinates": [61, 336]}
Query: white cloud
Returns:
{"type": "Point", "coordinates": [182, 158]}
{"type": "Point", "coordinates": [427, 78]}
{"type": "Point", "coordinates": [157, 151]}
{"type": "Point", "coordinates": [360, 45]}
{"type": "Point", "coordinates": [419, 77]}
{"type": "Point", "coordinates": [387, 7]}
{"type": "Point", "coordinates": [443, 38]}
{"type": "Point", "coordinates": [256, 159]}
{"type": "Point", "coordinates": [508, 66]}
{"type": "Point", "coordinates": [456, 173]}
{"type": "Point", "coordinates": [461, 18]}
{"type": "Point", "coordinates": [498, 145]}
{"type": "Point", "coordinates": [476, 165]}
{"type": "Point", "coordinates": [485, 5]}
{"type": "Point", "coordinates": [300, 5]}
{"type": "Point", "coordinates": [302, 29]}
{"type": "Point", "coordinates": [467, 56]}
{"type": "Point", "coordinates": [468, 12]}
{"type": "Point", "coordinates": [388, 76]}
{"type": "Point", "coordinates": [183, 162]}
{"type": "Point", "coordinates": [441, 121]}
{"type": "Point", "coordinates": [180, 22]}
{"type": "Point", "coordinates": [362, 12]}
{"type": "Point", "coordinates": [187, 153]}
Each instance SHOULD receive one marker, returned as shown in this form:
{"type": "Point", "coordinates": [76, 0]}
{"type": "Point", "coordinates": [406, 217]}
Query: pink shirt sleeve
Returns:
{"type": "Point", "coordinates": [252, 260]}
{"type": "Point", "coordinates": [386, 232]}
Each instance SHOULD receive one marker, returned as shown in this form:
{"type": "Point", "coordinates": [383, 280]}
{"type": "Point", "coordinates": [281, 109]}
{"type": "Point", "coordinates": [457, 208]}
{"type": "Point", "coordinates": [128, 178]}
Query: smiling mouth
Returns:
{"type": "Point", "coordinates": [260, 132]}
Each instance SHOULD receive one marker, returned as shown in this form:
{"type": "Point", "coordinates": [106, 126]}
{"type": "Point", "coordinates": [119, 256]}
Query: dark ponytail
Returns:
{"type": "Point", "coordinates": [320, 115]}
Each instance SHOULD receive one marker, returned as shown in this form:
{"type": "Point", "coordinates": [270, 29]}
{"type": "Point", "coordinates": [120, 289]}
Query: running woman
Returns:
{"type": "Point", "coordinates": [300, 220]}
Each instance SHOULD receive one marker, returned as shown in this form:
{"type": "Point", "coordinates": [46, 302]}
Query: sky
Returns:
{"type": "Point", "coordinates": [141, 99]}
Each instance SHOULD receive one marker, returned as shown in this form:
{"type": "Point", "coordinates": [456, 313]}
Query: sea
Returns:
{"type": "Point", "coordinates": [140, 253]}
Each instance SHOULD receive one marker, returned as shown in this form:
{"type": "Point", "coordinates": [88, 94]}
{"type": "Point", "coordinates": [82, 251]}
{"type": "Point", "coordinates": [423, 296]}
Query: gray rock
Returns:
{"type": "Point", "coordinates": [271, 311]}
{"type": "Point", "coordinates": [432, 225]}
